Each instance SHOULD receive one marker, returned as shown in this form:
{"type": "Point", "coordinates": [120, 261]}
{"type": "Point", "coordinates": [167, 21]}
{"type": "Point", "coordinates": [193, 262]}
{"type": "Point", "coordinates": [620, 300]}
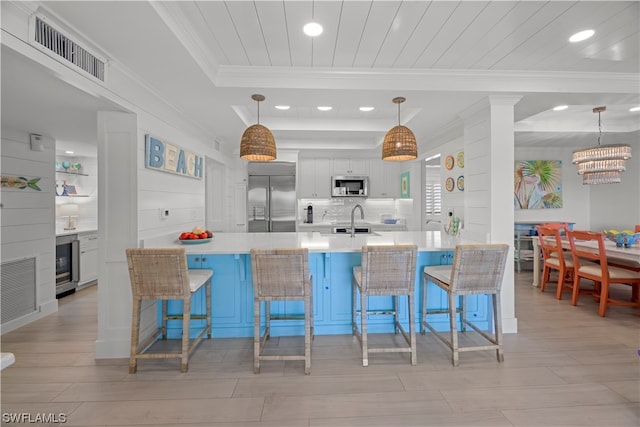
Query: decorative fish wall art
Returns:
{"type": "Point", "coordinates": [20, 182]}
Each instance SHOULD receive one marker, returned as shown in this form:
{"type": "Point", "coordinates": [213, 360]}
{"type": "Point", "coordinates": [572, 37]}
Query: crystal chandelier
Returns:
{"type": "Point", "coordinates": [601, 164]}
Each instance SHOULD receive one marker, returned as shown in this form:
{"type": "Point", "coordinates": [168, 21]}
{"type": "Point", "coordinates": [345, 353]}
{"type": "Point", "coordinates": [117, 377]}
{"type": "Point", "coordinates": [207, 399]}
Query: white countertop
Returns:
{"type": "Point", "coordinates": [241, 243]}
{"type": "Point", "coordinates": [63, 232]}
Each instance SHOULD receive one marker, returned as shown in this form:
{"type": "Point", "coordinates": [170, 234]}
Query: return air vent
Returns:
{"type": "Point", "coordinates": [18, 286]}
{"type": "Point", "coordinates": [67, 49]}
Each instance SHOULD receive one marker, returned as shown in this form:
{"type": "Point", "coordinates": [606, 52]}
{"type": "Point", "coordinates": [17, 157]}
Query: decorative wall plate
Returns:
{"type": "Point", "coordinates": [460, 183]}
{"type": "Point", "coordinates": [460, 159]}
{"type": "Point", "coordinates": [449, 184]}
{"type": "Point", "coordinates": [449, 162]}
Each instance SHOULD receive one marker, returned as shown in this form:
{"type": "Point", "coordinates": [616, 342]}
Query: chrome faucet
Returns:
{"type": "Point", "coordinates": [353, 211]}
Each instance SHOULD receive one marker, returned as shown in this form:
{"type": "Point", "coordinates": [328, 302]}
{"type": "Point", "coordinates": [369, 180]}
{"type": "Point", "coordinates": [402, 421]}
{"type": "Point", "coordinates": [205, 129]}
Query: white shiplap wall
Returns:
{"type": "Point", "coordinates": [27, 217]}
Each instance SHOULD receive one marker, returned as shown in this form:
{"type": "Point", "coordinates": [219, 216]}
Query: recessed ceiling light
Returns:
{"type": "Point", "coordinates": [560, 107]}
{"type": "Point", "coordinates": [312, 29]}
{"type": "Point", "coordinates": [634, 109]}
{"type": "Point", "coordinates": [68, 152]}
{"type": "Point", "coordinates": [282, 107]}
{"type": "Point", "coordinates": [367, 108]}
{"type": "Point", "coordinates": [582, 35]}
{"type": "Point", "coordinates": [325, 108]}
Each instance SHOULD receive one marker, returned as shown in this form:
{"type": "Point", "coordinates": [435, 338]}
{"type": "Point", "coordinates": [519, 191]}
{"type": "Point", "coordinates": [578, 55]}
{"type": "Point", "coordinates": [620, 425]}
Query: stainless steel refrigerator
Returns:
{"type": "Point", "coordinates": [271, 197]}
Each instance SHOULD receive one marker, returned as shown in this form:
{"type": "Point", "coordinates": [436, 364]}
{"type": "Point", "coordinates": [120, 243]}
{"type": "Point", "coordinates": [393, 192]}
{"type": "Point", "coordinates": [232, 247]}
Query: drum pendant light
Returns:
{"type": "Point", "coordinates": [399, 143]}
{"type": "Point", "coordinates": [257, 143]}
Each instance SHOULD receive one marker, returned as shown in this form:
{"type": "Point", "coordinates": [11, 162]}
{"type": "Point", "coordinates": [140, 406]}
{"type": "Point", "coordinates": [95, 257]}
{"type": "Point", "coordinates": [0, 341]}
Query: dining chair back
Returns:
{"type": "Point", "coordinates": [592, 248]}
{"type": "Point", "coordinates": [162, 274]}
{"type": "Point", "coordinates": [476, 269]}
{"type": "Point", "coordinates": [555, 258]}
{"type": "Point", "coordinates": [385, 270]}
{"type": "Point", "coordinates": [281, 274]}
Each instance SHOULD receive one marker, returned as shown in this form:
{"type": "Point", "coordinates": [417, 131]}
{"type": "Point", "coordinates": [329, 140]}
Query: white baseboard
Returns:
{"type": "Point", "coordinates": [45, 309]}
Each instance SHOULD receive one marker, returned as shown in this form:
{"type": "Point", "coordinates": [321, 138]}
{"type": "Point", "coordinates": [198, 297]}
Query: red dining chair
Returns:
{"type": "Point", "coordinates": [555, 258]}
{"type": "Point", "coordinates": [602, 274]}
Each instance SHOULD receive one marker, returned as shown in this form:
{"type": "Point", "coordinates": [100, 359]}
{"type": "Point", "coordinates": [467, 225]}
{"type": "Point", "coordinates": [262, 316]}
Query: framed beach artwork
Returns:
{"type": "Point", "coordinates": [405, 186]}
{"type": "Point", "coordinates": [537, 184]}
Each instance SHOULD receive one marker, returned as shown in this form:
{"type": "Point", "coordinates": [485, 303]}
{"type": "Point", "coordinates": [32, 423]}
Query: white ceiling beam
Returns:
{"type": "Point", "coordinates": [428, 80]}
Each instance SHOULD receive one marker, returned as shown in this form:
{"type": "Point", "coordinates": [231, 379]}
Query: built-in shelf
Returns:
{"type": "Point", "coordinates": [73, 195]}
{"type": "Point", "coordinates": [72, 173]}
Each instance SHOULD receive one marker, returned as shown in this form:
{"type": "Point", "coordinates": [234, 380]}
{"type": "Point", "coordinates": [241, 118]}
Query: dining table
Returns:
{"type": "Point", "coordinates": [615, 254]}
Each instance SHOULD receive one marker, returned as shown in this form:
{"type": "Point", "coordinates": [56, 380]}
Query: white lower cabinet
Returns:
{"type": "Point", "coordinates": [88, 258]}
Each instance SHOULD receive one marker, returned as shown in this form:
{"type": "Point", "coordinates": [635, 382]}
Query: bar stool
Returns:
{"type": "Point", "coordinates": [281, 275]}
{"type": "Point", "coordinates": [385, 270]}
{"type": "Point", "coordinates": [476, 269]}
{"type": "Point", "coordinates": [162, 274]}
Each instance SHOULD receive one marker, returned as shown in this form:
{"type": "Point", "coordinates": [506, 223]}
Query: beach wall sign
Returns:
{"type": "Point", "coordinates": [170, 158]}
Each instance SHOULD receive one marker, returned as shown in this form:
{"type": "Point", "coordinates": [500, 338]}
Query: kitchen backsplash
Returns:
{"type": "Point", "coordinates": [339, 210]}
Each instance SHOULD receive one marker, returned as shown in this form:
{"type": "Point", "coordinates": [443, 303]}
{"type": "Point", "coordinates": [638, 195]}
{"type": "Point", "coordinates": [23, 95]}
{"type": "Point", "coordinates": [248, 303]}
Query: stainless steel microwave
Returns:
{"type": "Point", "coordinates": [350, 186]}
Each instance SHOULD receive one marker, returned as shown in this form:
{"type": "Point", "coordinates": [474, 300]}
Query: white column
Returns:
{"type": "Point", "coordinates": [117, 229]}
{"type": "Point", "coordinates": [489, 160]}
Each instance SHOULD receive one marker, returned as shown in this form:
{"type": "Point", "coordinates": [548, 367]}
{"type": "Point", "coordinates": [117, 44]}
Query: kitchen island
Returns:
{"type": "Point", "coordinates": [331, 259]}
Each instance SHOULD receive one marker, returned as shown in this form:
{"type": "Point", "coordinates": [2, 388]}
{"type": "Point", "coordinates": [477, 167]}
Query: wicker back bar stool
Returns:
{"type": "Point", "coordinates": [162, 274]}
{"type": "Point", "coordinates": [281, 275]}
{"type": "Point", "coordinates": [385, 270]}
{"type": "Point", "coordinates": [476, 269]}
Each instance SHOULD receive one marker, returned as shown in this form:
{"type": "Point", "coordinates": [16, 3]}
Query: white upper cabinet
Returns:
{"type": "Point", "coordinates": [351, 167]}
{"type": "Point", "coordinates": [314, 178]}
{"type": "Point", "coordinates": [384, 179]}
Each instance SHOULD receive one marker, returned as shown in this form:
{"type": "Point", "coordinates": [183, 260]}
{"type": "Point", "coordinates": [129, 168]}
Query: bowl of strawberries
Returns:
{"type": "Point", "coordinates": [196, 236]}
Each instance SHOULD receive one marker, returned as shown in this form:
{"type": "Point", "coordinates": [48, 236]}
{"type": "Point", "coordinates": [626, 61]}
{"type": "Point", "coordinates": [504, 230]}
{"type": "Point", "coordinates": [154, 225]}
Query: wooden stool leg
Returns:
{"type": "Point", "coordinates": [363, 325]}
{"type": "Point", "coordinates": [208, 296]}
{"type": "Point", "coordinates": [396, 315]}
{"type": "Point", "coordinates": [308, 309]}
{"type": "Point", "coordinates": [186, 322]}
{"type": "Point", "coordinates": [164, 318]}
{"type": "Point", "coordinates": [256, 336]}
{"type": "Point", "coordinates": [497, 321]}
{"type": "Point", "coordinates": [354, 324]}
{"type": "Point", "coordinates": [412, 329]}
{"type": "Point", "coordinates": [463, 312]}
{"type": "Point", "coordinates": [135, 332]}
{"type": "Point", "coordinates": [454, 328]}
{"type": "Point", "coordinates": [423, 306]}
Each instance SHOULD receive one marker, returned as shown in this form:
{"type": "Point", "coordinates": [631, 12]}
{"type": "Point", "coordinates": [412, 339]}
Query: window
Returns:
{"type": "Point", "coordinates": [433, 187]}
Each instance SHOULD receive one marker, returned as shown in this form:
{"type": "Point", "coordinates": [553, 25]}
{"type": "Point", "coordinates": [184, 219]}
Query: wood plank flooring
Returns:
{"type": "Point", "coordinates": [565, 367]}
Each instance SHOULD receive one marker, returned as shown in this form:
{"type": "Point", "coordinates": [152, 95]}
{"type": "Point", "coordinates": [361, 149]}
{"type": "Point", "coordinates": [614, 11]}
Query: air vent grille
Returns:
{"type": "Point", "coordinates": [18, 283]}
{"type": "Point", "coordinates": [67, 49]}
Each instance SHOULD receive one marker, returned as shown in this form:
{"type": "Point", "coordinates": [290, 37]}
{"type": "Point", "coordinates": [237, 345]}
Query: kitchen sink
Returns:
{"type": "Point", "coordinates": [346, 231]}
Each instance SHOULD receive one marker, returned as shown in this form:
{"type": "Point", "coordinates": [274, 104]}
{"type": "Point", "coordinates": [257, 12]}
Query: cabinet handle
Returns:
{"type": "Point", "coordinates": [196, 259]}
{"type": "Point", "coordinates": [204, 260]}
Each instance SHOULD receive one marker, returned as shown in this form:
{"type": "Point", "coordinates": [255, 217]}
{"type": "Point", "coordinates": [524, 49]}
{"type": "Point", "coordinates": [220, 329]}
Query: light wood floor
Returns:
{"type": "Point", "coordinates": [566, 366]}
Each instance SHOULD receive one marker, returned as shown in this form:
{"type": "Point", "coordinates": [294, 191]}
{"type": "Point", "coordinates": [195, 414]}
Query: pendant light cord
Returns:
{"type": "Point", "coordinates": [599, 128]}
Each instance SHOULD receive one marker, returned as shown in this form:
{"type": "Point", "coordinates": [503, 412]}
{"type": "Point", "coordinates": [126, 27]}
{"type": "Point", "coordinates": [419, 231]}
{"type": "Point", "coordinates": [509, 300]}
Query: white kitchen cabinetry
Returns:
{"type": "Point", "coordinates": [350, 167]}
{"type": "Point", "coordinates": [88, 258]}
{"type": "Point", "coordinates": [314, 178]}
{"type": "Point", "coordinates": [384, 179]}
